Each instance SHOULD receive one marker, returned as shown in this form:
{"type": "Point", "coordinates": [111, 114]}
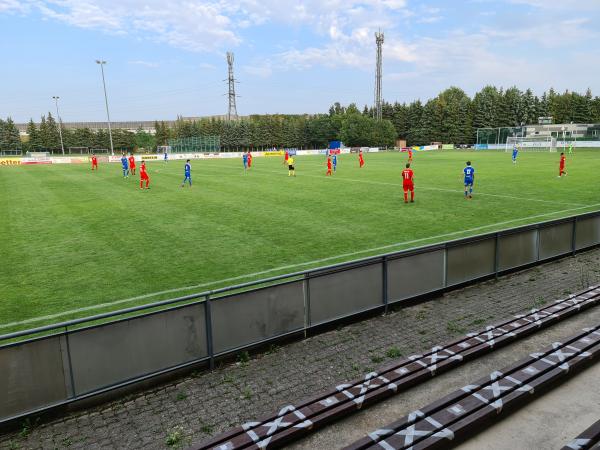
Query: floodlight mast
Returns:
{"type": "Point", "coordinates": [101, 63]}
{"type": "Point", "coordinates": [377, 113]}
{"type": "Point", "coordinates": [62, 145]}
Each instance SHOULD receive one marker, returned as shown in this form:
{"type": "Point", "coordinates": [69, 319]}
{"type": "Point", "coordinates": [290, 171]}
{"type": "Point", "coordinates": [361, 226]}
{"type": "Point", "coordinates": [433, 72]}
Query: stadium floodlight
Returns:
{"type": "Point", "coordinates": [101, 63]}
{"type": "Point", "coordinates": [62, 144]}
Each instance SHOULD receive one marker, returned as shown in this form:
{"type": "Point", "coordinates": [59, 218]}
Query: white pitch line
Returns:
{"type": "Point", "coordinates": [428, 188]}
{"type": "Point", "coordinates": [290, 266]}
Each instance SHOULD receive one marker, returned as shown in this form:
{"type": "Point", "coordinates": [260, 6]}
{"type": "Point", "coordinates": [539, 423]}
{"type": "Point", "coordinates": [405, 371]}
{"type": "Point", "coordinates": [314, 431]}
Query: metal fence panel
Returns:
{"type": "Point", "coordinates": [31, 376]}
{"type": "Point", "coordinates": [467, 262]}
{"type": "Point", "coordinates": [252, 317]}
{"type": "Point", "coordinates": [414, 275]}
{"type": "Point", "coordinates": [118, 351]}
{"type": "Point", "coordinates": [587, 232]}
{"type": "Point", "coordinates": [556, 240]}
{"type": "Point", "coordinates": [343, 293]}
{"type": "Point", "coordinates": [517, 249]}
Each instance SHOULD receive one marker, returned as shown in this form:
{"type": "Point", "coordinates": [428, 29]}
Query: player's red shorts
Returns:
{"type": "Point", "coordinates": [408, 186]}
{"type": "Point", "coordinates": [144, 176]}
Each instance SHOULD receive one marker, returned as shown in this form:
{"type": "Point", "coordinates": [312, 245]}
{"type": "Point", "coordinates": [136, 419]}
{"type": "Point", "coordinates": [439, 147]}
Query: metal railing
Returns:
{"type": "Point", "coordinates": [60, 363]}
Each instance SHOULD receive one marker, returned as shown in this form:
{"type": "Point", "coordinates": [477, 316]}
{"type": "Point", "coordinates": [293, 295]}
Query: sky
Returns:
{"type": "Point", "coordinates": [167, 58]}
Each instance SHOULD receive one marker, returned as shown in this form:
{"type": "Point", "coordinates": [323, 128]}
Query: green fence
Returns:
{"type": "Point", "coordinates": [195, 144]}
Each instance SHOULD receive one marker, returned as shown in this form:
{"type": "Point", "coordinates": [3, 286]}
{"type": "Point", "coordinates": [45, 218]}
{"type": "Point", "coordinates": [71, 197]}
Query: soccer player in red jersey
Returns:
{"type": "Point", "coordinates": [329, 166]}
{"type": "Point", "coordinates": [144, 175]}
{"type": "Point", "coordinates": [561, 168]}
{"type": "Point", "coordinates": [94, 162]}
{"type": "Point", "coordinates": [408, 183]}
{"type": "Point", "coordinates": [249, 159]}
{"type": "Point", "coordinates": [361, 160]}
{"type": "Point", "coordinates": [132, 164]}
{"type": "Point", "coordinates": [286, 157]}
{"type": "Point", "coordinates": [409, 155]}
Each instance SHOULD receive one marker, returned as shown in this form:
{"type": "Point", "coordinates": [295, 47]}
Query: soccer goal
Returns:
{"type": "Point", "coordinates": [37, 155]}
{"type": "Point", "coordinates": [531, 143]}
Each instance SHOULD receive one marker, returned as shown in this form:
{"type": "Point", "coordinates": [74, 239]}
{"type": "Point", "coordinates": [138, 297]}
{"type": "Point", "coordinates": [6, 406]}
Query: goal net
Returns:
{"type": "Point", "coordinates": [37, 155]}
{"type": "Point", "coordinates": [531, 143]}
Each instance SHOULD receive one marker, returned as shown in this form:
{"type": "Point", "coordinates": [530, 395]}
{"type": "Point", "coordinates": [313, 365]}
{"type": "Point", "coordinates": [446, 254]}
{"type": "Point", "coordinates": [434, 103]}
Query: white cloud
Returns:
{"type": "Point", "coordinates": [13, 6]}
{"type": "Point", "coordinates": [427, 14]}
{"type": "Point", "coordinates": [152, 65]}
{"type": "Point", "coordinates": [429, 19]}
{"type": "Point", "coordinates": [183, 24]}
{"type": "Point", "coordinates": [547, 34]}
{"type": "Point", "coordinates": [328, 56]}
{"type": "Point", "coordinates": [397, 50]}
{"type": "Point", "coordinates": [261, 71]}
{"type": "Point", "coordinates": [83, 14]}
{"type": "Point", "coordinates": [212, 25]}
{"type": "Point", "coordinates": [341, 33]}
{"type": "Point", "coordinates": [319, 14]}
{"type": "Point", "coordinates": [559, 5]}
{"type": "Point", "coordinates": [207, 66]}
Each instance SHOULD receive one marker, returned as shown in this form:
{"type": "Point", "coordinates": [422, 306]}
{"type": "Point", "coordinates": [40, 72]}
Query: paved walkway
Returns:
{"type": "Point", "coordinates": [200, 406]}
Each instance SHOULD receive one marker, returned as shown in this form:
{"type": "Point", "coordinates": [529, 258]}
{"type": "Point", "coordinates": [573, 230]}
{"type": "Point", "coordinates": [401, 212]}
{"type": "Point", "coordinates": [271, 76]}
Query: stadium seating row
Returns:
{"type": "Point", "coordinates": [463, 412]}
{"type": "Point", "coordinates": [589, 439]}
{"type": "Point", "coordinates": [295, 421]}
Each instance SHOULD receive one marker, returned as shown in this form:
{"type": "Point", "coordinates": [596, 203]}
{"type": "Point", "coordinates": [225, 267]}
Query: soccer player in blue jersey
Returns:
{"type": "Point", "coordinates": [245, 160]}
{"type": "Point", "coordinates": [166, 157]}
{"type": "Point", "coordinates": [188, 173]}
{"type": "Point", "coordinates": [469, 173]}
{"type": "Point", "coordinates": [334, 160]}
{"type": "Point", "coordinates": [515, 154]}
{"type": "Point", "coordinates": [125, 165]}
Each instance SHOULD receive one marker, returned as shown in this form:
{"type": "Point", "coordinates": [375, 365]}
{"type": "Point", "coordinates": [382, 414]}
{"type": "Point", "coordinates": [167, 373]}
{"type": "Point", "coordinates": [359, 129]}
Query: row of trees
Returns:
{"type": "Point", "coordinates": [450, 117]}
{"type": "Point", "coordinates": [46, 136]}
{"type": "Point", "coordinates": [9, 136]}
{"type": "Point", "coordinates": [292, 131]}
{"type": "Point", "coordinates": [454, 117]}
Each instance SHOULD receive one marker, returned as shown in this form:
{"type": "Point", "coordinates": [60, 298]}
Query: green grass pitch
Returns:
{"type": "Point", "coordinates": [73, 240]}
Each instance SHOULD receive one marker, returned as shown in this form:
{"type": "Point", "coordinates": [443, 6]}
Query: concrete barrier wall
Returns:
{"type": "Point", "coordinates": [469, 261]}
{"type": "Point", "coordinates": [255, 316]}
{"type": "Point", "coordinates": [43, 372]}
{"type": "Point", "coordinates": [109, 354]}
{"type": "Point", "coordinates": [417, 274]}
{"type": "Point", "coordinates": [555, 240]}
{"type": "Point", "coordinates": [32, 375]}
{"type": "Point", "coordinates": [517, 249]}
{"type": "Point", "coordinates": [587, 232]}
{"type": "Point", "coordinates": [341, 294]}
